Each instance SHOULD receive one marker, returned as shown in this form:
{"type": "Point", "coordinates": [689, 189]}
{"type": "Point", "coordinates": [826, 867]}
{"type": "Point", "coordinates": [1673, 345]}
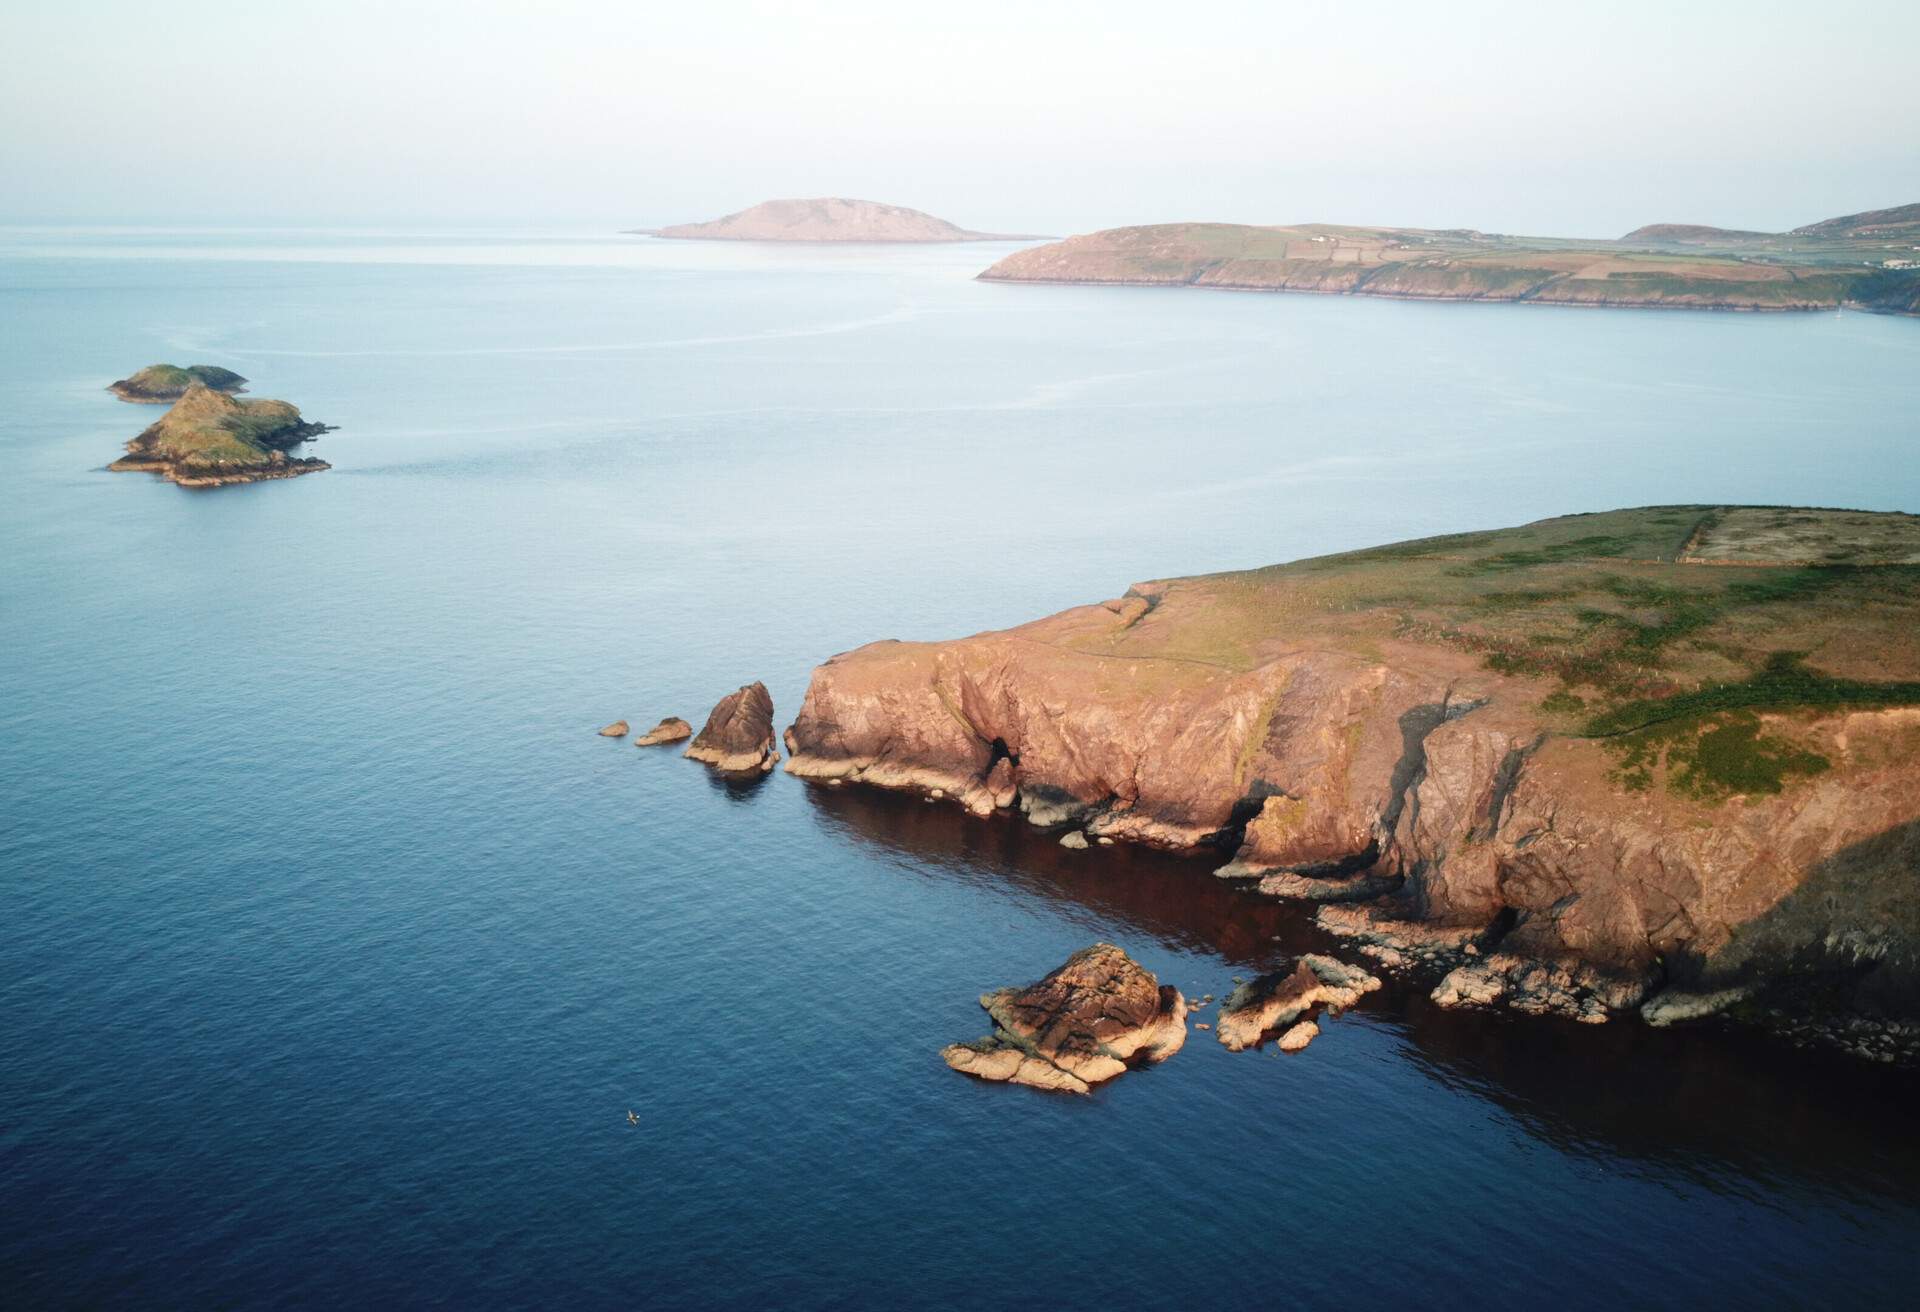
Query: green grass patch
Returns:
{"type": "Point", "coordinates": [1712, 758]}
{"type": "Point", "coordinates": [1784, 684]}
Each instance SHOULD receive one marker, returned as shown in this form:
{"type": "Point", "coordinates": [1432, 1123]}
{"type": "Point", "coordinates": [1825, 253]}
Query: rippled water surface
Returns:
{"type": "Point", "coordinates": [334, 946]}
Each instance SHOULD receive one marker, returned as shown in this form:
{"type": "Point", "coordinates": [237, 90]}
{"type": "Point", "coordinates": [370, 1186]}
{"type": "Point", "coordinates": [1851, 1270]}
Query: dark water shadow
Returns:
{"type": "Point", "coordinates": [1733, 1109]}
{"type": "Point", "coordinates": [734, 785]}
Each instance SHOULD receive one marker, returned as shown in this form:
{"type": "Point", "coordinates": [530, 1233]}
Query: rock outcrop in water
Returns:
{"type": "Point", "coordinates": [1587, 758]}
{"type": "Point", "coordinates": [618, 729]}
{"type": "Point", "coordinates": [158, 384]}
{"type": "Point", "coordinates": [209, 439]}
{"type": "Point", "coordinates": [1096, 1016]}
{"type": "Point", "coordinates": [739, 734]}
{"type": "Point", "coordinates": [1278, 1003]}
{"type": "Point", "coordinates": [671, 730]}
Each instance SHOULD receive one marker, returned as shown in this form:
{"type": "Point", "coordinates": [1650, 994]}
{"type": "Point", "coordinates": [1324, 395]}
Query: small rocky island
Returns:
{"type": "Point", "coordinates": [1096, 1016]}
{"type": "Point", "coordinates": [158, 384]}
{"type": "Point", "coordinates": [738, 737]}
{"type": "Point", "coordinates": [826, 219]}
{"type": "Point", "coordinates": [211, 439]}
{"type": "Point", "coordinates": [1663, 759]}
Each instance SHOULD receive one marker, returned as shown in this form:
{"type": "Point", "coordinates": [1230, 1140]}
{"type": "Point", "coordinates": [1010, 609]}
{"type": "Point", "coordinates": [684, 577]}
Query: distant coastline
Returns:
{"type": "Point", "coordinates": [1867, 261]}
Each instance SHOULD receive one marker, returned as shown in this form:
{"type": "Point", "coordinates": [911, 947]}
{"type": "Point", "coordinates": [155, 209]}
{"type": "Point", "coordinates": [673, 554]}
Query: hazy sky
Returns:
{"type": "Point", "coordinates": [1574, 119]}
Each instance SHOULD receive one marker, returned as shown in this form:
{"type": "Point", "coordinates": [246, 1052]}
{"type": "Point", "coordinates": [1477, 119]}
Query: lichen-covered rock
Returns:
{"type": "Point", "coordinates": [739, 734]}
{"type": "Point", "coordinates": [1675, 1005]}
{"type": "Point", "coordinates": [1091, 1019]}
{"type": "Point", "coordinates": [670, 730]}
{"type": "Point", "coordinates": [618, 729]}
{"type": "Point", "coordinates": [1276, 1002]}
{"type": "Point", "coordinates": [1560, 986]}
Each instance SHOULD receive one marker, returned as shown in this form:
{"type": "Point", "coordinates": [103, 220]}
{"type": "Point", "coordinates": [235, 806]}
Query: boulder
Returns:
{"type": "Point", "coordinates": [1276, 1002]}
{"type": "Point", "coordinates": [739, 733]}
{"type": "Point", "coordinates": [1298, 1037]}
{"type": "Point", "coordinates": [670, 730]}
{"type": "Point", "coordinates": [618, 729]}
{"type": "Point", "coordinates": [1097, 1016]}
{"type": "Point", "coordinates": [1074, 839]}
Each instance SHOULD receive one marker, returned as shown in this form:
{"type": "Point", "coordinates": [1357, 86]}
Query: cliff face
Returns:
{"type": "Point", "coordinates": [827, 219]}
{"type": "Point", "coordinates": [1661, 266]}
{"type": "Point", "coordinates": [1576, 742]}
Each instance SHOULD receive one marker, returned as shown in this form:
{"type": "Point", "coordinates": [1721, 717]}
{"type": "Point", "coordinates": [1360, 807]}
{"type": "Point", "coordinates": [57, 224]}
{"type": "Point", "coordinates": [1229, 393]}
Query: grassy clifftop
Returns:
{"type": "Point", "coordinates": [1650, 630]}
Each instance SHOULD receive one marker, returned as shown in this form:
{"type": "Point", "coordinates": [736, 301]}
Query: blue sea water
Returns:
{"type": "Point", "coordinates": [335, 946]}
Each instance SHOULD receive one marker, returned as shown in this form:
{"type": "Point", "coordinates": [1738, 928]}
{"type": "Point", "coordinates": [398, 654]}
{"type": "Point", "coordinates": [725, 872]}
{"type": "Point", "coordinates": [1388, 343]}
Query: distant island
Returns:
{"type": "Point", "coordinates": [209, 439]}
{"type": "Point", "coordinates": [1661, 759]}
{"type": "Point", "coordinates": [1867, 261]}
{"type": "Point", "coordinates": [828, 219]}
{"type": "Point", "coordinates": [160, 383]}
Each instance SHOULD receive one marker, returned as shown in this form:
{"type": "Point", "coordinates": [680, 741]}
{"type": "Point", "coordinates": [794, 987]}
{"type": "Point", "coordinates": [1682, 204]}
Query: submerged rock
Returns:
{"type": "Point", "coordinates": [739, 733]}
{"type": "Point", "coordinates": [670, 730]}
{"type": "Point", "coordinates": [1674, 1005]}
{"type": "Point", "coordinates": [1096, 1016]}
{"type": "Point", "coordinates": [618, 729]}
{"type": "Point", "coordinates": [1277, 1002]}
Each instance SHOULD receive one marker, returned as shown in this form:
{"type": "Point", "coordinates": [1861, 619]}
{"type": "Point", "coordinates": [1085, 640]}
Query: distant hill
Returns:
{"type": "Point", "coordinates": [1898, 222]}
{"type": "Point", "coordinates": [1690, 233]}
{"type": "Point", "coordinates": [827, 219]}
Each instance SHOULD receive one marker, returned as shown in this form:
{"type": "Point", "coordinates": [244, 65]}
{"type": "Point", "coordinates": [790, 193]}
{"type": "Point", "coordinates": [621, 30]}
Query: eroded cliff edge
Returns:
{"type": "Point", "coordinates": [1586, 759]}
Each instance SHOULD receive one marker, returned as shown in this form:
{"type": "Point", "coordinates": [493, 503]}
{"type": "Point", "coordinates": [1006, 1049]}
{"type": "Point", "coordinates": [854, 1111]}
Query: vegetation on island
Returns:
{"type": "Point", "coordinates": [210, 438]}
{"type": "Point", "coordinates": [169, 382]}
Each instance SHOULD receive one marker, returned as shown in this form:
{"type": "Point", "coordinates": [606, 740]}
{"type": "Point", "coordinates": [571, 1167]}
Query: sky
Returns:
{"type": "Point", "coordinates": [1568, 119]}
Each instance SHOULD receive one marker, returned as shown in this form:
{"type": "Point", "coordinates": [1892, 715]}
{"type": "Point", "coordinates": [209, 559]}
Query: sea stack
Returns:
{"type": "Point", "coordinates": [739, 734]}
{"type": "Point", "coordinates": [1096, 1016]}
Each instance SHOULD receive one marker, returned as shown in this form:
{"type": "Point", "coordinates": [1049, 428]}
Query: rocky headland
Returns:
{"type": "Point", "coordinates": [158, 384]}
{"type": "Point", "coordinates": [210, 439]}
{"type": "Point", "coordinates": [1095, 1017]}
{"type": "Point", "coordinates": [738, 736]}
{"type": "Point", "coordinates": [826, 219]}
{"type": "Point", "coordinates": [1665, 756]}
{"type": "Point", "coordinates": [1861, 261]}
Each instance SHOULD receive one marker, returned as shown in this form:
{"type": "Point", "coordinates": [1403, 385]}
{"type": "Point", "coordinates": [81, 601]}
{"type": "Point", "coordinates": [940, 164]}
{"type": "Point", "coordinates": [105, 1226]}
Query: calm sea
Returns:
{"type": "Point", "coordinates": [335, 947]}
